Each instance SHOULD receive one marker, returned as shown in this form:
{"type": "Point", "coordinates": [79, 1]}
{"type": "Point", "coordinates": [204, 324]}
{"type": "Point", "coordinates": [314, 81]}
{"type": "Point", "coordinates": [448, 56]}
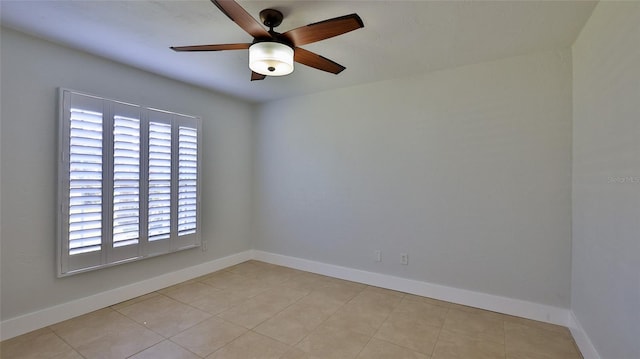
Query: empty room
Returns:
{"type": "Point", "coordinates": [320, 179]}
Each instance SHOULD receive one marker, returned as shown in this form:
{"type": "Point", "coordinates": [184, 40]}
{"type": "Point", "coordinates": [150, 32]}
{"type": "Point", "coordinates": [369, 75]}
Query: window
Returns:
{"type": "Point", "coordinates": [129, 182]}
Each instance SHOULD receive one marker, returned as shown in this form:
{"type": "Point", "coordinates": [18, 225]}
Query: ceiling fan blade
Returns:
{"type": "Point", "coordinates": [240, 16]}
{"type": "Point", "coordinates": [316, 61]}
{"type": "Point", "coordinates": [324, 29]}
{"type": "Point", "coordinates": [256, 76]}
{"type": "Point", "coordinates": [219, 47]}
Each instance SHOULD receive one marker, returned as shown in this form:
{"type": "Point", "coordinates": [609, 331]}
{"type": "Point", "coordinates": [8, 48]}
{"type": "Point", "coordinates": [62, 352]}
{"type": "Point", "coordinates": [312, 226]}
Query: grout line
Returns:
{"type": "Point", "coordinates": [439, 332]}
{"type": "Point", "coordinates": [504, 327]}
{"type": "Point", "coordinates": [384, 321]}
{"type": "Point", "coordinates": [178, 344]}
{"type": "Point", "coordinates": [61, 338]}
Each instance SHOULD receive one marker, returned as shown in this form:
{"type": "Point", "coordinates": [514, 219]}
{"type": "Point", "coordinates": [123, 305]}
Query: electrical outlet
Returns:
{"type": "Point", "coordinates": [404, 259]}
{"type": "Point", "coordinates": [204, 246]}
{"type": "Point", "coordinates": [378, 256]}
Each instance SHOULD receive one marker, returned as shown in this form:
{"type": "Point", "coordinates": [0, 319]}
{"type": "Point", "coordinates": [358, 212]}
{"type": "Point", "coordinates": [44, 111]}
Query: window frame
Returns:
{"type": "Point", "coordinates": [109, 255]}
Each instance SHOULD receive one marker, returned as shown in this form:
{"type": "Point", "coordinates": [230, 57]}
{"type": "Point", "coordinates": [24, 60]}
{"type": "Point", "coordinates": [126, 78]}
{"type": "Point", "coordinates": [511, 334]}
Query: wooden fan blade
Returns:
{"type": "Point", "coordinates": [240, 16]}
{"type": "Point", "coordinates": [256, 76]}
{"type": "Point", "coordinates": [219, 47]}
{"type": "Point", "coordinates": [316, 61]}
{"type": "Point", "coordinates": [324, 29]}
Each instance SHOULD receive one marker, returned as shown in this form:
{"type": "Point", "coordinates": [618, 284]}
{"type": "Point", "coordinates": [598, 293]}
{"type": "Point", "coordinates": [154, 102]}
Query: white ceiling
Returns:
{"type": "Point", "coordinates": [400, 38]}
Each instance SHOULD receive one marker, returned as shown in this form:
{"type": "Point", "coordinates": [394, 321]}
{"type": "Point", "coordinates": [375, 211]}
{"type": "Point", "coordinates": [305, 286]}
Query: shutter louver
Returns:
{"type": "Point", "coordinates": [187, 180]}
{"type": "Point", "coordinates": [85, 181]}
{"type": "Point", "coordinates": [159, 181]}
{"type": "Point", "coordinates": [126, 181]}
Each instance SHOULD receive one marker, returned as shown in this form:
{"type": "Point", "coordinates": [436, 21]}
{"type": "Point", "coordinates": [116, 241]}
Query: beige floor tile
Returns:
{"type": "Point", "coordinates": [358, 318]}
{"type": "Point", "coordinates": [217, 301]}
{"type": "Point", "coordinates": [430, 314]}
{"type": "Point", "coordinates": [256, 310]}
{"type": "Point", "coordinates": [563, 331]}
{"type": "Point", "coordinates": [374, 289]}
{"type": "Point", "coordinates": [189, 292]}
{"type": "Point", "coordinates": [273, 276]}
{"type": "Point", "coordinates": [322, 298]}
{"type": "Point", "coordinates": [379, 349]}
{"type": "Point", "coordinates": [456, 346]}
{"type": "Point", "coordinates": [135, 300]}
{"type": "Point", "coordinates": [251, 346]}
{"type": "Point", "coordinates": [213, 274]}
{"type": "Point", "coordinates": [304, 281]}
{"type": "Point", "coordinates": [223, 279]}
{"type": "Point", "coordinates": [484, 312]}
{"type": "Point", "coordinates": [534, 355]}
{"type": "Point", "coordinates": [42, 343]}
{"type": "Point", "coordinates": [329, 343]}
{"type": "Point", "coordinates": [310, 275]}
{"type": "Point", "coordinates": [530, 341]}
{"type": "Point", "coordinates": [105, 334]}
{"type": "Point", "coordinates": [164, 315]}
{"type": "Point", "coordinates": [466, 308]}
{"type": "Point", "coordinates": [250, 267]}
{"type": "Point", "coordinates": [272, 279]}
{"type": "Point", "coordinates": [204, 277]}
{"type": "Point", "coordinates": [255, 268]}
{"type": "Point", "coordinates": [344, 284]}
{"type": "Point", "coordinates": [245, 288]}
{"type": "Point", "coordinates": [291, 295]}
{"type": "Point", "coordinates": [204, 297]}
{"type": "Point", "coordinates": [176, 286]}
{"type": "Point", "coordinates": [297, 287]}
{"type": "Point", "coordinates": [295, 353]}
{"type": "Point", "coordinates": [333, 293]}
{"type": "Point", "coordinates": [289, 272]}
{"type": "Point", "coordinates": [293, 323]}
{"type": "Point", "coordinates": [418, 298]}
{"type": "Point", "coordinates": [165, 350]}
{"type": "Point", "coordinates": [321, 303]}
{"type": "Point", "coordinates": [377, 299]}
{"type": "Point", "coordinates": [208, 336]}
{"type": "Point", "coordinates": [477, 325]}
{"type": "Point", "coordinates": [410, 332]}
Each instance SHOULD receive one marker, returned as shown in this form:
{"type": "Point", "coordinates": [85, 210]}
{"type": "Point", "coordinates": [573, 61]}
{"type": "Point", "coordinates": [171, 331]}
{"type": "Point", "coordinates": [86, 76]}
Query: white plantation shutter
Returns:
{"type": "Point", "coordinates": [85, 181]}
{"type": "Point", "coordinates": [126, 181]}
{"type": "Point", "coordinates": [129, 183]}
{"type": "Point", "coordinates": [159, 181]}
{"type": "Point", "coordinates": [187, 180]}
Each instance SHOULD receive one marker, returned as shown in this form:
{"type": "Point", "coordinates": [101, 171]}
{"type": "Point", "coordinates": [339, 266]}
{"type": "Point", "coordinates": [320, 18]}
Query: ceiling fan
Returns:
{"type": "Point", "coordinates": [272, 53]}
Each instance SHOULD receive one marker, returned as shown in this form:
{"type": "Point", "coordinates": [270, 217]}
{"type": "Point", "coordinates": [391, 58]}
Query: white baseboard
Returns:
{"type": "Point", "coordinates": [25, 323]}
{"type": "Point", "coordinates": [516, 307]}
{"type": "Point", "coordinates": [582, 339]}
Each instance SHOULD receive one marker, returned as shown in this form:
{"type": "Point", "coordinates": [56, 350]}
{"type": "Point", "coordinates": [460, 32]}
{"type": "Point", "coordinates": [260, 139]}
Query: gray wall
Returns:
{"type": "Point", "coordinates": [31, 71]}
{"type": "Point", "coordinates": [467, 170]}
{"type": "Point", "coordinates": [606, 179]}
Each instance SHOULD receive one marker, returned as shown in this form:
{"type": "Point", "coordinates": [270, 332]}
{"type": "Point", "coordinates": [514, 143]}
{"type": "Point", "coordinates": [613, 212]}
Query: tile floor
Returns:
{"type": "Point", "coordinates": [259, 310]}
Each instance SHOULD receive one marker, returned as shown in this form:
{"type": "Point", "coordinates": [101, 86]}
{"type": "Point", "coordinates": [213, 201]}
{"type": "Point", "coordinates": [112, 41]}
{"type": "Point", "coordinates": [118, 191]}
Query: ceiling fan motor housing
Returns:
{"type": "Point", "coordinates": [271, 58]}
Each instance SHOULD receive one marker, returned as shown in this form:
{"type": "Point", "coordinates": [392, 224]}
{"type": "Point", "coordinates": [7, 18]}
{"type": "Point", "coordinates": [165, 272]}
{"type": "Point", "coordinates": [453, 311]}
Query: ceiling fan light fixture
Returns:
{"type": "Point", "coordinates": [271, 58]}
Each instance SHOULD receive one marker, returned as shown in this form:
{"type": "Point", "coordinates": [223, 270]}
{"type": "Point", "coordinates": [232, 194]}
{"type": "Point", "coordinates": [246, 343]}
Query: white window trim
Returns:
{"type": "Point", "coordinates": [108, 255]}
